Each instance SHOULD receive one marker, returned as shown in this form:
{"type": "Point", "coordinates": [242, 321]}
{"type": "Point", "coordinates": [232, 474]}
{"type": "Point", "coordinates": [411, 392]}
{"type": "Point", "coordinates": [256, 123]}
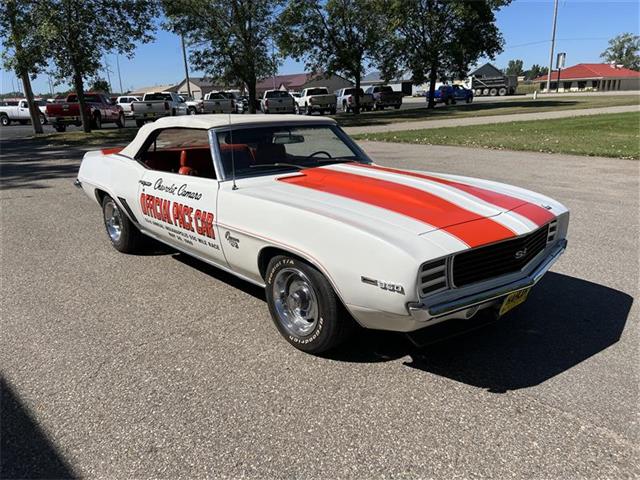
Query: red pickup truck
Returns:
{"type": "Point", "coordinates": [99, 108]}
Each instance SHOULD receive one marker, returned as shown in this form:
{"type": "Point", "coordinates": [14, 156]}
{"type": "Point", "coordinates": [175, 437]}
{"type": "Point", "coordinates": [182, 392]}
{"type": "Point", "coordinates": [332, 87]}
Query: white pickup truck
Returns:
{"type": "Point", "coordinates": [277, 101]}
{"type": "Point", "coordinates": [157, 104]}
{"type": "Point", "coordinates": [218, 102]}
{"type": "Point", "coordinates": [125, 103]}
{"type": "Point", "coordinates": [347, 99]}
{"type": "Point", "coordinates": [316, 99]}
{"type": "Point", "coordinates": [18, 111]}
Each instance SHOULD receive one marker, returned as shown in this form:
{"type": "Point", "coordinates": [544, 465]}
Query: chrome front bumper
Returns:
{"type": "Point", "coordinates": [424, 313]}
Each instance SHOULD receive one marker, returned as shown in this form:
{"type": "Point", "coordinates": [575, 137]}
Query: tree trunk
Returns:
{"type": "Point", "coordinates": [84, 115]}
{"type": "Point", "coordinates": [356, 109]}
{"type": "Point", "coordinates": [251, 87]}
{"type": "Point", "coordinates": [34, 111]}
{"type": "Point", "coordinates": [433, 75]}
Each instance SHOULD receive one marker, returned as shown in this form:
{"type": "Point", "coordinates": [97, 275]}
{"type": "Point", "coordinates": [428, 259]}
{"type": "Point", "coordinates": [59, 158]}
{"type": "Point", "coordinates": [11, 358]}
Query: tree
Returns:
{"type": "Point", "coordinates": [624, 50]}
{"type": "Point", "coordinates": [515, 67]}
{"type": "Point", "coordinates": [100, 85]}
{"type": "Point", "coordinates": [23, 49]}
{"type": "Point", "coordinates": [80, 33]}
{"type": "Point", "coordinates": [334, 36]}
{"type": "Point", "coordinates": [535, 71]}
{"type": "Point", "coordinates": [442, 38]}
{"type": "Point", "coordinates": [230, 39]}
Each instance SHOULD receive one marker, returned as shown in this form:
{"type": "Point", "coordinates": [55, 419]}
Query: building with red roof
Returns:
{"type": "Point", "coordinates": [592, 76]}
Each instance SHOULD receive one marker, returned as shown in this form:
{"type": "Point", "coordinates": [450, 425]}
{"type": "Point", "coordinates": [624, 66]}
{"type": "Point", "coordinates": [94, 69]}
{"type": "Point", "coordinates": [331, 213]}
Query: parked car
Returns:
{"type": "Point", "coordinates": [316, 99]}
{"type": "Point", "coordinates": [125, 103]}
{"type": "Point", "coordinates": [295, 206]}
{"type": "Point", "coordinates": [193, 106]}
{"type": "Point", "coordinates": [155, 105]}
{"type": "Point", "coordinates": [218, 102]}
{"type": "Point", "coordinates": [18, 111]}
{"type": "Point", "coordinates": [384, 96]}
{"type": "Point", "coordinates": [277, 101]}
{"type": "Point", "coordinates": [241, 104]}
{"type": "Point", "coordinates": [346, 98]}
{"type": "Point", "coordinates": [452, 94]}
{"type": "Point", "coordinates": [98, 106]}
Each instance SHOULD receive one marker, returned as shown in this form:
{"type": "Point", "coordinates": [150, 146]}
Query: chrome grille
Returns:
{"type": "Point", "coordinates": [433, 277]}
{"type": "Point", "coordinates": [553, 228]}
{"type": "Point", "coordinates": [502, 258]}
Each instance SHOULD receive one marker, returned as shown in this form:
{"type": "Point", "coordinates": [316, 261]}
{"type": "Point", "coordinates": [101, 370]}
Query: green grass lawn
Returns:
{"type": "Point", "coordinates": [607, 135]}
{"type": "Point", "coordinates": [485, 109]}
{"type": "Point", "coordinates": [97, 138]}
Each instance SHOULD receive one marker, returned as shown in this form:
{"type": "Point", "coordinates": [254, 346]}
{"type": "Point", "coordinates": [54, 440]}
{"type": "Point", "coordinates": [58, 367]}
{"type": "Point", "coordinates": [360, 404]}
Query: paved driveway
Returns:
{"type": "Point", "coordinates": [120, 366]}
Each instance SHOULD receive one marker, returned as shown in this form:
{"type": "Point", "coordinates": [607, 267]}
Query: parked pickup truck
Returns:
{"type": "Point", "coordinates": [18, 111]}
{"type": "Point", "coordinates": [157, 104]}
{"type": "Point", "coordinates": [125, 104]}
{"type": "Point", "coordinates": [347, 99]}
{"type": "Point", "coordinates": [218, 102]}
{"type": "Point", "coordinates": [384, 96]}
{"type": "Point", "coordinates": [317, 99]}
{"type": "Point", "coordinates": [277, 101]}
{"type": "Point", "coordinates": [193, 106]}
{"type": "Point", "coordinates": [451, 94]}
{"type": "Point", "coordinates": [100, 109]}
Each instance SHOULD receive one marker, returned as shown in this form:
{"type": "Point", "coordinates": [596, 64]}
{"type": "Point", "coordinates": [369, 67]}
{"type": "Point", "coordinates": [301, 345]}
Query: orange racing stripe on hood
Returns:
{"type": "Point", "coordinates": [471, 228]}
{"type": "Point", "coordinates": [537, 214]}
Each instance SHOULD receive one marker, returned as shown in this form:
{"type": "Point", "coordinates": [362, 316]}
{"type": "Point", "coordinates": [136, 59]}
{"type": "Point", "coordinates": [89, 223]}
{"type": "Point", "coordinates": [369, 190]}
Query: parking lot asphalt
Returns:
{"type": "Point", "coordinates": [119, 366]}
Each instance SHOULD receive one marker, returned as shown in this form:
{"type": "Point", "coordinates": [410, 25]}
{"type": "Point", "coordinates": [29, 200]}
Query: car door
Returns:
{"type": "Point", "coordinates": [23, 110]}
{"type": "Point", "coordinates": [178, 192]}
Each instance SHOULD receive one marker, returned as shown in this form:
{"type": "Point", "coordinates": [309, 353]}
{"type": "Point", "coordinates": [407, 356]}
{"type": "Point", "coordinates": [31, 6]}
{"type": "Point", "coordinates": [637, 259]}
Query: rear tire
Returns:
{"type": "Point", "coordinates": [60, 128]}
{"type": "Point", "coordinates": [122, 233]}
{"type": "Point", "coordinates": [493, 92]}
{"type": "Point", "coordinates": [304, 307]}
{"type": "Point", "coordinates": [5, 121]}
{"type": "Point", "coordinates": [43, 119]}
{"type": "Point", "coordinates": [120, 123]}
{"type": "Point", "coordinates": [192, 111]}
{"type": "Point", "coordinates": [97, 122]}
{"type": "Point", "coordinates": [502, 92]}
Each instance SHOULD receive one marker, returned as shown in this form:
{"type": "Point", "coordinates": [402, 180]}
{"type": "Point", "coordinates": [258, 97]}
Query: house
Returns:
{"type": "Point", "coordinates": [487, 71]}
{"type": "Point", "coordinates": [591, 76]}
{"type": "Point", "coordinates": [139, 92]}
{"type": "Point", "coordinates": [402, 83]}
{"type": "Point", "coordinates": [299, 81]}
{"type": "Point", "coordinates": [200, 86]}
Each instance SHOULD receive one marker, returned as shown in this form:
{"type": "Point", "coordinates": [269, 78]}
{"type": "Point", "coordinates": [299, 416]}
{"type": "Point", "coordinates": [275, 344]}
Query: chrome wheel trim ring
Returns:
{"type": "Point", "coordinates": [113, 220]}
{"type": "Point", "coordinates": [295, 302]}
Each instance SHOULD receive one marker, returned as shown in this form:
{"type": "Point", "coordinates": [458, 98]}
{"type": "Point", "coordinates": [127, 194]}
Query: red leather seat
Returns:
{"type": "Point", "coordinates": [185, 167]}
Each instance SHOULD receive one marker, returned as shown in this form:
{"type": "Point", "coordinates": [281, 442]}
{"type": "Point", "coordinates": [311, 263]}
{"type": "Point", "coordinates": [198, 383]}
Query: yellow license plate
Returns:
{"type": "Point", "coordinates": [513, 300]}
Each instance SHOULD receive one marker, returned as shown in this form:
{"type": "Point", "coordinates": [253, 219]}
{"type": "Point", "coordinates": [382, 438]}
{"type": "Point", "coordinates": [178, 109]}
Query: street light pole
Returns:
{"type": "Point", "coordinates": [186, 66]}
{"type": "Point", "coordinates": [553, 44]}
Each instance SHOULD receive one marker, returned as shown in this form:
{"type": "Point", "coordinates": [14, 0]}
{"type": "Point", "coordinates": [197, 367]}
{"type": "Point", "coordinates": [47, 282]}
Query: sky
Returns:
{"type": "Point", "coordinates": [583, 30]}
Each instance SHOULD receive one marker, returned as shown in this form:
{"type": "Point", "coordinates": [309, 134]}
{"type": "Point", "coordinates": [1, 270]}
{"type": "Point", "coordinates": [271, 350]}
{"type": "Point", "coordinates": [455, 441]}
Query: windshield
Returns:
{"type": "Point", "coordinates": [255, 150]}
{"type": "Point", "coordinates": [276, 94]}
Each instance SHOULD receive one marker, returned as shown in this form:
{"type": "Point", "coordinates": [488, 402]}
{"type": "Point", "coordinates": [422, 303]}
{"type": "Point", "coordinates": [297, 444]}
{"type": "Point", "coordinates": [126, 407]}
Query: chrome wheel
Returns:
{"type": "Point", "coordinates": [295, 302]}
{"type": "Point", "coordinates": [113, 220]}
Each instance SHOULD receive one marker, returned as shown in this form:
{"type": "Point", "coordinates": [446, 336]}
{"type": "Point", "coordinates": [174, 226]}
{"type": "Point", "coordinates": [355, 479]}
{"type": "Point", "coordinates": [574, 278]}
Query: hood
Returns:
{"type": "Point", "coordinates": [399, 201]}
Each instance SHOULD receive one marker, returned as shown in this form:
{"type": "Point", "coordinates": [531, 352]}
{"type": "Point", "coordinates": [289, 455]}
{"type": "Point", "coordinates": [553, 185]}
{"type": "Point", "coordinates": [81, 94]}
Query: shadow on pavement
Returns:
{"type": "Point", "coordinates": [25, 449]}
{"type": "Point", "coordinates": [565, 321]}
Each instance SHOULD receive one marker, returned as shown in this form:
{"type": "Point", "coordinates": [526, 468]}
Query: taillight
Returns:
{"type": "Point", "coordinates": [166, 105]}
{"type": "Point", "coordinates": [351, 99]}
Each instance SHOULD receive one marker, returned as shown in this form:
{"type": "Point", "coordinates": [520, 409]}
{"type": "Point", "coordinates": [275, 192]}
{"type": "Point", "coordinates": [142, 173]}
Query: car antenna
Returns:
{"type": "Point", "coordinates": [233, 161]}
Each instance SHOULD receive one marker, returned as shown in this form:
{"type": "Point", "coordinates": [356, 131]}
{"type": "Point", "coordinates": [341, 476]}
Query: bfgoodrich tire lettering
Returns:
{"type": "Point", "coordinates": [122, 233]}
{"type": "Point", "coordinates": [293, 285]}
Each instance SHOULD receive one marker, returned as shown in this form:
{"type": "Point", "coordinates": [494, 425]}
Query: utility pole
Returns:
{"type": "Point", "coordinates": [186, 66]}
{"type": "Point", "coordinates": [106, 69]}
{"type": "Point", "coordinates": [119, 77]}
{"type": "Point", "coordinates": [553, 44]}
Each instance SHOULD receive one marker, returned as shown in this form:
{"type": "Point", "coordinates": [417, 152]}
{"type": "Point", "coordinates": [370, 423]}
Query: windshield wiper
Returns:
{"type": "Point", "coordinates": [279, 164]}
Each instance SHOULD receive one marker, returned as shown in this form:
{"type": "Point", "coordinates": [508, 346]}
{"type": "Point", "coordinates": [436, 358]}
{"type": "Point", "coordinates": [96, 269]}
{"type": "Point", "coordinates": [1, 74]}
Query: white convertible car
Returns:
{"type": "Point", "coordinates": [294, 205]}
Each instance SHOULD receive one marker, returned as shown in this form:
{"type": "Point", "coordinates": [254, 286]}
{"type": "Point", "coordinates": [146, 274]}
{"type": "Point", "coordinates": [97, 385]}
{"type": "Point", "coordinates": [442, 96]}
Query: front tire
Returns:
{"type": "Point", "coordinates": [5, 121]}
{"type": "Point", "coordinates": [60, 128]}
{"type": "Point", "coordinates": [97, 122]}
{"type": "Point", "coordinates": [123, 234]}
{"type": "Point", "coordinates": [120, 123]}
{"type": "Point", "coordinates": [304, 307]}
